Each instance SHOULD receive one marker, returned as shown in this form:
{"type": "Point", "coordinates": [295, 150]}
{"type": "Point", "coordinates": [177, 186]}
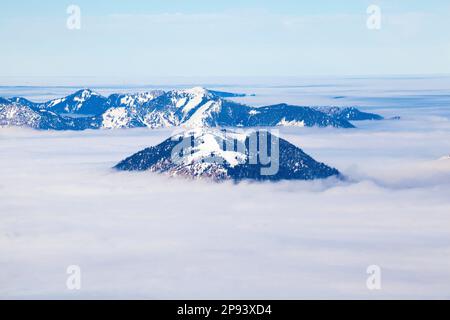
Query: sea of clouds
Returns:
{"type": "Point", "coordinates": [141, 235]}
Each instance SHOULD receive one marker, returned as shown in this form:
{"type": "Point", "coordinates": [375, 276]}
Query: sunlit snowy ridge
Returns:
{"type": "Point", "coordinates": [190, 108]}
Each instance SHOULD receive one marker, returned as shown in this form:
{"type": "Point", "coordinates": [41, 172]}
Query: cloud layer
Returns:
{"type": "Point", "coordinates": [137, 235]}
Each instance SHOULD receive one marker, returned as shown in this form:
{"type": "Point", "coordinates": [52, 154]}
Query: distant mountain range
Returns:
{"type": "Point", "coordinates": [201, 154]}
{"type": "Point", "coordinates": [196, 107]}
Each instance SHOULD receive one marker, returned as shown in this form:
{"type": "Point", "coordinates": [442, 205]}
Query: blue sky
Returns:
{"type": "Point", "coordinates": [136, 41]}
{"type": "Point", "coordinates": [100, 7]}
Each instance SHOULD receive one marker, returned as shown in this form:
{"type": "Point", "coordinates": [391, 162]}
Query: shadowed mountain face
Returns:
{"type": "Point", "coordinates": [222, 155]}
{"type": "Point", "coordinates": [191, 108]}
{"type": "Point", "coordinates": [14, 114]}
{"type": "Point", "coordinates": [349, 113]}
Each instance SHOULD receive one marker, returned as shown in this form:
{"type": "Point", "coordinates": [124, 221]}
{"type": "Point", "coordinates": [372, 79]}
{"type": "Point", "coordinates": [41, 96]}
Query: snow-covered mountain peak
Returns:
{"type": "Point", "coordinates": [196, 94]}
{"type": "Point", "coordinates": [224, 155]}
{"type": "Point", "coordinates": [84, 101]}
{"type": "Point", "coordinates": [193, 92]}
{"type": "Point", "coordinates": [84, 94]}
{"type": "Point", "coordinates": [210, 144]}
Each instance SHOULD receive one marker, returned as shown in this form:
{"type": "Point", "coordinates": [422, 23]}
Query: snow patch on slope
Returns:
{"type": "Point", "coordinates": [209, 143]}
{"type": "Point", "coordinates": [199, 118]}
{"type": "Point", "coordinates": [133, 100]}
{"type": "Point", "coordinates": [293, 123]}
{"type": "Point", "coordinates": [116, 118]}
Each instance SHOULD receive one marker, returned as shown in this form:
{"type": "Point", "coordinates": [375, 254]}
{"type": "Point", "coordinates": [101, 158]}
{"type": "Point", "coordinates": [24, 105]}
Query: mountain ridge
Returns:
{"type": "Point", "coordinates": [195, 107]}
